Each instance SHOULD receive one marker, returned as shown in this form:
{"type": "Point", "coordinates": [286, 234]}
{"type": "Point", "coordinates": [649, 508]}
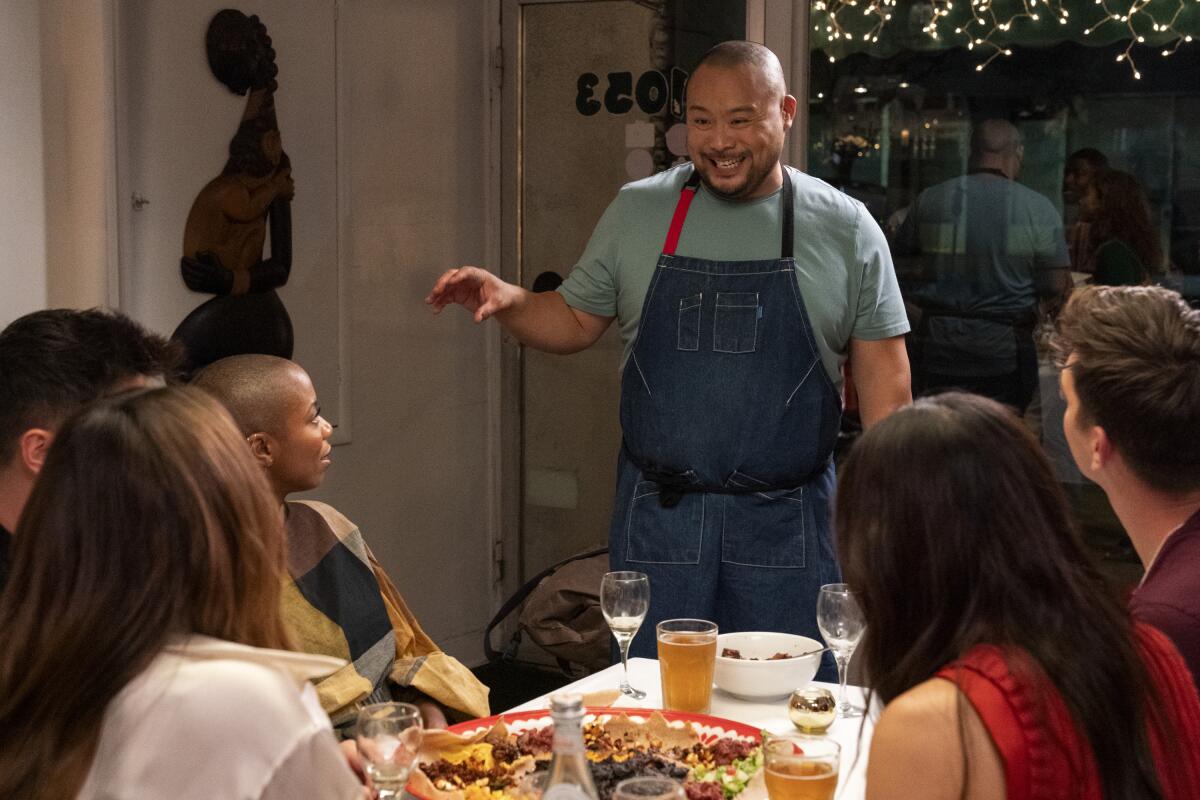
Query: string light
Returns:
{"type": "Point", "coordinates": [987, 26]}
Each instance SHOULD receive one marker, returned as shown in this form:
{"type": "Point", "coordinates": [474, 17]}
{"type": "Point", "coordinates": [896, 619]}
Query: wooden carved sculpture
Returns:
{"type": "Point", "coordinates": [229, 220]}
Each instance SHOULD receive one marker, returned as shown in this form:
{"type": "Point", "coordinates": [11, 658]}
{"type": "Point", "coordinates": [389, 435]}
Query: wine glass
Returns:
{"type": "Point", "coordinates": [624, 601]}
{"type": "Point", "coordinates": [388, 738]}
{"type": "Point", "coordinates": [842, 624]}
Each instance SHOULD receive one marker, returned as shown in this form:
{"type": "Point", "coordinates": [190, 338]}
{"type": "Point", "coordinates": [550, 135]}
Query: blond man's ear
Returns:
{"type": "Point", "coordinates": [262, 448]}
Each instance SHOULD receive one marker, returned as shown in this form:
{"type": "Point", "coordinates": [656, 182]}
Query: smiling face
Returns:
{"type": "Point", "coordinates": [299, 448]}
{"type": "Point", "coordinates": [737, 118]}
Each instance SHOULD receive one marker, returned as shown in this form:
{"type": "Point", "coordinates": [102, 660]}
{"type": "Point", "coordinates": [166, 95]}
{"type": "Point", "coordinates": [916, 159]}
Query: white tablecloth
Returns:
{"type": "Point", "coordinates": [771, 716]}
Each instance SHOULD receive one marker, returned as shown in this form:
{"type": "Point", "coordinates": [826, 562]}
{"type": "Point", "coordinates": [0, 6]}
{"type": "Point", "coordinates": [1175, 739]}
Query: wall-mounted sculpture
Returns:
{"type": "Point", "coordinates": [228, 224]}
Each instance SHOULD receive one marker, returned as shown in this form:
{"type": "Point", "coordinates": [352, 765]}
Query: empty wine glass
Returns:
{"type": "Point", "coordinates": [388, 738]}
{"type": "Point", "coordinates": [624, 600]}
{"type": "Point", "coordinates": [842, 624]}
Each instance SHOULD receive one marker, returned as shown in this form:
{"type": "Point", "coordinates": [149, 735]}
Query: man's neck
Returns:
{"type": "Point", "coordinates": [14, 491]}
{"type": "Point", "coordinates": [1149, 517]}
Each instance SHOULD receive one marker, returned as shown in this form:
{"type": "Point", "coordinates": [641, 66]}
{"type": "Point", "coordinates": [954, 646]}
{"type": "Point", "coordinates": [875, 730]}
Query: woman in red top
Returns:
{"type": "Point", "coordinates": [1008, 669]}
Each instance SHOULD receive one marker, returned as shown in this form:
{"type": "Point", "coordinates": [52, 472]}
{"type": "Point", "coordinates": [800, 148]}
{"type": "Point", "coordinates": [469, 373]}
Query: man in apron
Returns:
{"type": "Point", "coordinates": [975, 255]}
{"type": "Point", "coordinates": [740, 287]}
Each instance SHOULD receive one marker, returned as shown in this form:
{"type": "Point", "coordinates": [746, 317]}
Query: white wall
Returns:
{"type": "Point", "coordinates": [22, 193]}
{"type": "Point", "coordinates": [416, 476]}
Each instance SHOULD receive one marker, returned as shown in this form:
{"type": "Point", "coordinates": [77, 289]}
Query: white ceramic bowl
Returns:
{"type": "Point", "coordinates": [764, 679]}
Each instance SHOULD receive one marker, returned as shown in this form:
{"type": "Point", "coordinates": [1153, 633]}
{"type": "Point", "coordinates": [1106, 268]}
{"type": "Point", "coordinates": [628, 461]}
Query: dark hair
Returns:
{"type": "Point", "coordinates": [149, 520]}
{"type": "Point", "coordinates": [1090, 156]}
{"type": "Point", "coordinates": [954, 532]}
{"type": "Point", "coordinates": [1123, 212]}
{"type": "Point", "coordinates": [1136, 371]}
{"type": "Point", "coordinates": [54, 361]}
{"type": "Point", "coordinates": [737, 53]}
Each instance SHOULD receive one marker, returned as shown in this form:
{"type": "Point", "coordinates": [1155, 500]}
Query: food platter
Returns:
{"type": "Point", "coordinates": [710, 728]}
{"type": "Point", "coordinates": [691, 745]}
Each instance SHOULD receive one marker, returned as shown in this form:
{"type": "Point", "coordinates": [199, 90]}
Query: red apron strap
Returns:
{"type": "Point", "coordinates": [686, 195]}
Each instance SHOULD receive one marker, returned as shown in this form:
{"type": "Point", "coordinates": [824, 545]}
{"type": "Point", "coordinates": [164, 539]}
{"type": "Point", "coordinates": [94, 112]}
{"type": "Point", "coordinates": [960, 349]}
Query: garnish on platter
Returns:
{"type": "Point", "coordinates": [715, 759]}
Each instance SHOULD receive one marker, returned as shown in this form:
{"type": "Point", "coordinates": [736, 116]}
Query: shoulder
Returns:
{"type": "Point", "coordinates": [950, 735]}
{"type": "Point", "coordinates": [315, 508]}
{"type": "Point", "coordinates": [665, 184]}
{"type": "Point", "coordinates": [1036, 202]}
{"type": "Point", "coordinates": [816, 197]}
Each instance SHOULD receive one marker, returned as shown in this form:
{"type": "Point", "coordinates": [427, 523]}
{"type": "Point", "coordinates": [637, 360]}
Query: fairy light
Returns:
{"type": "Point", "coordinates": [986, 26]}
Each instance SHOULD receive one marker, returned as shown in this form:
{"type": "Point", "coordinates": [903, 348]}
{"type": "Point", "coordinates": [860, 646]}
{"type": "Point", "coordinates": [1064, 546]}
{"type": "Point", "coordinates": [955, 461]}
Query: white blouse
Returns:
{"type": "Point", "coordinates": [214, 719]}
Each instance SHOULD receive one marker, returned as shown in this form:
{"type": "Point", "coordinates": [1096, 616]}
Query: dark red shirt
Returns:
{"type": "Point", "coordinates": [1169, 597]}
{"type": "Point", "coordinates": [5, 543]}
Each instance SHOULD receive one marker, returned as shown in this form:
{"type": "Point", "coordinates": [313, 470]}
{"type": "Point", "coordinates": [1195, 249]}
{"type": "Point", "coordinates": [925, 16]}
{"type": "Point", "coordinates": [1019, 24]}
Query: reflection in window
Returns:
{"type": "Point", "coordinates": [1098, 176]}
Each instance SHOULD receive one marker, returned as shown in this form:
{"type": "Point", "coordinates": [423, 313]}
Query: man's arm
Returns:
{"type": "Point", "coordinates": [881, 376]}
{"type": "Point", "coordinates": [542, 320]}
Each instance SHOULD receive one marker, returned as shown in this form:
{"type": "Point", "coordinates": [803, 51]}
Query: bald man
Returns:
{"type": "Point", "coordinates": [339, 601]}
{"type": "Point", "coordinates": [976, 255]}
{"type": "Point", "coordinates": [740, 287]}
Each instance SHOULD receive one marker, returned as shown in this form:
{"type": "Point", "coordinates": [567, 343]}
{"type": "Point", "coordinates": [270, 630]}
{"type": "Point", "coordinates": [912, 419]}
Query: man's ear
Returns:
{"type": "Point", "coordinates": [33, 445]}
{"type": "Point", "coordinates": [788, 107]}
{"type": "Point", "coordinates": [1102, 448]}
{"type": "Point", "coordinates": [262, 447]}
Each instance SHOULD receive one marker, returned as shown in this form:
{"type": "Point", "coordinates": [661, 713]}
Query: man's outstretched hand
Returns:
{"type": "Point", "coordinates": [475, 289]}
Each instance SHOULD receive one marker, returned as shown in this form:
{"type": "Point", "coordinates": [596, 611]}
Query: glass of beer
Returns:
{"type": "Point", "coordinates": [687, 651]}
{"type": "Point", "coordinates": [801, 767]}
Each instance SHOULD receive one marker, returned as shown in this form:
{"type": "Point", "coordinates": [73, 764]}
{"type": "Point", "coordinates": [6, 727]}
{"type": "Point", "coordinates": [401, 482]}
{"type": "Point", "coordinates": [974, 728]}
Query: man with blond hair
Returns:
{"type": "Point", "coordinates": [1131, 380]}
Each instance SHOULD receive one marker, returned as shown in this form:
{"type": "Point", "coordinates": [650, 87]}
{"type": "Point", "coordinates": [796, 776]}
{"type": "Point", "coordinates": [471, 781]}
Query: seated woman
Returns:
{"type": "Point", "coordinates": [1008, 668]}
{"type": "Point", "coordinates": [143, 641]}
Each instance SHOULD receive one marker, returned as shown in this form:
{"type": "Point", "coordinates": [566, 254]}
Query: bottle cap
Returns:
{"type": "Point", "coordinates": [566, 702]}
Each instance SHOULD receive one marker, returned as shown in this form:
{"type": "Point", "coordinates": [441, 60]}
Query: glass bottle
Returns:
{"type": "Point", "coordinates": [569, 776]}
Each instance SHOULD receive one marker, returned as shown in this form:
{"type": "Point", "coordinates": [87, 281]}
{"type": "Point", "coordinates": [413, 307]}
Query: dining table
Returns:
{"type": "Point", "coordinates": [853, 734]}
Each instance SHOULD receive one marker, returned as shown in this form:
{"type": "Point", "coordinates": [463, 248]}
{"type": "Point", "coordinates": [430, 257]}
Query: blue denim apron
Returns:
{"type": "Point", "coordinates": [729, 422]}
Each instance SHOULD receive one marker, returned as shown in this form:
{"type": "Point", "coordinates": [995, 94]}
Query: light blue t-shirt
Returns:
{"type": "Point", "coordinates": [843, 264]}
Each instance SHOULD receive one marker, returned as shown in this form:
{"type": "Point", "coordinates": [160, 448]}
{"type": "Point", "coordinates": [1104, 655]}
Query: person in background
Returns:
{"type": "Point", "coordinates": [1124, 246]}
{"type": "Point", "coordinates": [338, 601]}
{"type": "Point", "coordinates": [740, 288]}
{"type": "Point", "coordinates": [1077, 176]}
{"type": "Point", "coordinates": [979, 257]}
{"type": "Point", "coordinates": [1132, 384]}
{"type": "Point", "coordinates": [52, 362]}
{"type": "Point", "coordinates": [143, 642]}
{"type": "Point", "coordinates": [1006, 667]}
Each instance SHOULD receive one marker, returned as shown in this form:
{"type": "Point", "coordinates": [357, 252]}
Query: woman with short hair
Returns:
{"type": "Point", "coordinates": [143, 645]}
{"type": "Point", "coordinates": [1007, 667]}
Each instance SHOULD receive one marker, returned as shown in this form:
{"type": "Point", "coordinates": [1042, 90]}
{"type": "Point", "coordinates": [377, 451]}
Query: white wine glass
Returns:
{"type": "Point", "coordinates": [388, 738]}
{"type": "Point", "coordinates": [842, 624]}
{"type": "Point", "coordinates": [624, 601]}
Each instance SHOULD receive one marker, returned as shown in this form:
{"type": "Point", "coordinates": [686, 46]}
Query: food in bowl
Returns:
{"type": "Point", "coordinates": [754, 674]}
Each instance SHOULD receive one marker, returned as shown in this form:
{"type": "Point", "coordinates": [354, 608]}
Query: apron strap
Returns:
{"type": "Point", "coordinates": [686, 195]}
{"type": "Point", "coordinates": [785, 247]}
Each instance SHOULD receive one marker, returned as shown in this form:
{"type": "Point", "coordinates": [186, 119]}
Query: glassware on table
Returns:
{"type": "Point", "coordinates": [388, 738]}
{"type": "Point", "coordinates": [624, 601]}
{"type": "Point", "coordinates": [812, 709]}
{"type": "Point", "coordinates": [649, 787]}
{"type": "Point", "coordinates": [800, 767]}
{"type": "Point", "coordinates": [569, 776]}
{"type": "Point", "coordinates": [687, 652]}
{"type": "Point", "coordinates": [842, 624]}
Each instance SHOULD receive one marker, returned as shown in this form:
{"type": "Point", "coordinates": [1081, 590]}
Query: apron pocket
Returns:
{"type": "Point", "coordinates": [657, 535]}
{"type": "Point", "coordinates": [688, 335]}
{"type": "Point", "coordinates": [764, 529]}
{"type": "Point", "coordinates": [735, 325]}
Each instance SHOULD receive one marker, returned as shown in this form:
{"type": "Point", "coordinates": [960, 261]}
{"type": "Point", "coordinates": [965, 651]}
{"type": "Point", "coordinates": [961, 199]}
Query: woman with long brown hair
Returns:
{"type": "Point", "coordinates": [142, 634]}
{"type": "Point", "coordinates": [1124, 246]}
{"type": "Point", "coordinates": [1006, 666]}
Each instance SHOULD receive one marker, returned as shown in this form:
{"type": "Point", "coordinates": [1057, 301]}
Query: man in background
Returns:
{"type": "Point", "coordinates": [975, 256]}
